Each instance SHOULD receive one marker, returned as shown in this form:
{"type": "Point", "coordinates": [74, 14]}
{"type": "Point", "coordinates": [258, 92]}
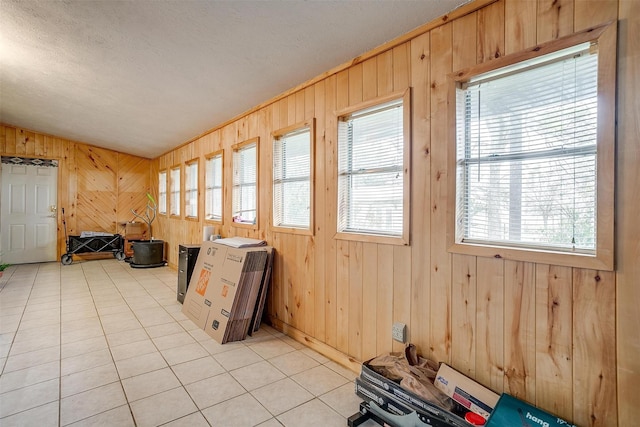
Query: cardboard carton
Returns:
{"type": "Point", "coordinates": [235, 294]}
{"type": "Point", "coordinates": [223, 290]}
{"type": "Point", "coordinates": [468, 393]}
{"type": "Point", "coordinates": [208, 268]}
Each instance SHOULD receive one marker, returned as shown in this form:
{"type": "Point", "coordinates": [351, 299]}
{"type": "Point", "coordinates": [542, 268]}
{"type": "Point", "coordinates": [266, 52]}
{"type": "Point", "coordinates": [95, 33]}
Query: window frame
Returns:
{"type": "Point", "coordinates": [162, 210]}
{"type": "Point", "coordinates": [187, 165]}
{"type": "Point", "coordinates": [404, 238]}
{"type": "Point", "coordinates": [603, 259]}
{"type": "Point", "coordinates": [236, 148]}
{"type": "Point", "coordinates": [208, 157]}
{"type": "Point", "coordinates": [311, 125]}
{"type": "Point", "coordinates": [171, 191]}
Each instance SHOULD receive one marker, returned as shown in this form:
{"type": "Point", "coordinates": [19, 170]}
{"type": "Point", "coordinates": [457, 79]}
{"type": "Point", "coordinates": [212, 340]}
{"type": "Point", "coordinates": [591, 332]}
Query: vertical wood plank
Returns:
{"type": "Point", "coordinates": [321, 232]}
{"type": "Point", "coordinates": [555, 19]}
{"type": "Point", "coordinates": [10, 140]}
{"type": "Point", "coordinates": [355, 84]}
{"type": "Point", "coordinates": [331, 177]}
{"type": "Point", "coordinates": [401, 66]}
{"type": "Point", "coordinates": [490, 323]}
{"type": "Point", "coordinates": [491, 32]}
{"type": "Point", "coordinates": [305, 249]}
{"type": "Point", "coordinates": [554, 314]}
{"type": "Point", "coordinates": [385, 299]}
{"type": "Point", "coordinates": [520, 330]}
{"type": "Point", "coordinates": [278, 296]}
{"type": "Point", "coordinates": [300, 107]}
{"type": "Point", "coordinates": [369, 79]}
{"type": "Point", "coordinates": [355, 299]}
{"type": "Point", "coordinates": [30, 143]}
{"type": "Point", "coordinates": [440, 298]}
{"type": "Point", "coordinates": [628, 226]}
{"type": "Point", "coordinates": [401, 290]}
{"type": "Point", "coordinates": [464, 275]}
{"type": "Point", "coordinates": [342, 247]}
{"type": "Point", "coordinates": [465, 36]}
{"type": "Point", "coordinates": [261, 127]}
{"type": "Point", "coordinates": [290, 114]}
{"type": "Point", "coordinates": [520, 25]}
{"type": "Point", "coordinates": [3, 139]}
{"type": "Point", "coordinates": [40, 149]}
{"type": "Point", "coordinates": [369, 300]}
{"type": "Point", "coordinates": [463, 316]}
{"type": "Point", "coordinates": [309, 102]}
{"type": "Point", "coordinates": [420, 192]}
{"type": "Point", "coordinates": [594, 355]}
{"type": "Point", "coordinates": [385, 73]}
{"type": "Point", "coordinates": [342, 295]}
{"type": "Point", "coordinates": [588, 13]}
{"type": "Point", "coordinates": [21, 142]}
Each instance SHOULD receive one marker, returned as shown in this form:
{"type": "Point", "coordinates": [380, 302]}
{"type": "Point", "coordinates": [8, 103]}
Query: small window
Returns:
{"type": "Point", "coordinates": [373, 170]}
{"type": "Point", "coordinates": [175, 191]}
{"type": "Point", "coordinates": [531, 153]}
{"type": "Point", "coordinates": [245, 182]}
{"type": "Point", "coordinates": [162, 192]}
{"type": "Point", "coordinates": [191, 190]}
{"type": "Point", "coordinates": [213, 185]}
{"type": "Point", "coordinates": [292, 177]}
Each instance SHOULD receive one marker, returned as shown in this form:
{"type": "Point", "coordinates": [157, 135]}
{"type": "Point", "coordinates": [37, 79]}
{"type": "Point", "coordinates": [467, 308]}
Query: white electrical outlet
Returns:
{"type": "Point", "coordinates": [399, 332]}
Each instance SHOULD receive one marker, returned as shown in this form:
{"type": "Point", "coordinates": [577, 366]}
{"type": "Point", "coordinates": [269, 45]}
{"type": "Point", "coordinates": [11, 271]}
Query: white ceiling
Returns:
{"type": "Point", "coordinates": [144, 76]}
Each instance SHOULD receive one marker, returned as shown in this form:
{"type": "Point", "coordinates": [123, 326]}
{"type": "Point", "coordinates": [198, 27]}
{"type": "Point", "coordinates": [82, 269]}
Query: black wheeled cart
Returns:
{"type": "Point", "coordinates": [80, 245]}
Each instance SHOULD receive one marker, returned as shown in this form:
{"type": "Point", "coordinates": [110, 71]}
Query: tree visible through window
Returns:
{"type": "Point", "coordinates": [527, 151]}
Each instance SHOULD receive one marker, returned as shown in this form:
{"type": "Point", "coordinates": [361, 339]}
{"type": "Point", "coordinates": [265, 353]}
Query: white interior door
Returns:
{"type": "Point", "coordinates": [28, 213]}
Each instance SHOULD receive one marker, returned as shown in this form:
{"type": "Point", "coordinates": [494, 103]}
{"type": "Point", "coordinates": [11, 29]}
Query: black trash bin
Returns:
{"type": "Point", "coordinates": [147, 254]}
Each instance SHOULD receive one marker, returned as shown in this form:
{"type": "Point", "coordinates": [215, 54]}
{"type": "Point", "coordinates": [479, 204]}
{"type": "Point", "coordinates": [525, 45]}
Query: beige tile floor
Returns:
{"type": "Point", "coordinates": [98, 343]}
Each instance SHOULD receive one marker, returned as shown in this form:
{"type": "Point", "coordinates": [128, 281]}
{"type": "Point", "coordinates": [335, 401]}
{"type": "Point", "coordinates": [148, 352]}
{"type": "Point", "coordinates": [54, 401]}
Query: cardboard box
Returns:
{"type": "Point", "coordinates": [135, 230]}
{"type": "Point", "coordinates": [234, 295]}
{"type": "Point", "coordinates": [223, 289]}
{"type": "Point", "coordinates": [510, 411]}
{"type": "Point", "coordinates": [208, 269]}
{"type": "Point", "coordinates": [468, 393]}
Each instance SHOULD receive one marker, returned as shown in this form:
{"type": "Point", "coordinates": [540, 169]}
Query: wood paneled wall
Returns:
{"type": "Point", "coordinates": [565, 339]}
{"type": "Point", "coordinates": [96, 187]}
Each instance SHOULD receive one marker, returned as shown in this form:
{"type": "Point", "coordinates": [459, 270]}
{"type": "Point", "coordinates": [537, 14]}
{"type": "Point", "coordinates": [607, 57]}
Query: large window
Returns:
{"type": "Point", "coordinates": [175, 191]}
{"type": "Point", "coordinates": [191, 189]}
{"type": "Point", "coordinates": [292, 177]}
{"type": "Point", "coordinates": [213, 185]}
{"type": "Point", "coordinates": [527, 154]}
{"type": "Point", "coordinates": [373, 170]}
{"type": "Point", "coordinates": [162, 192]}
{"type": "Point", "coordinates": [245, 182]}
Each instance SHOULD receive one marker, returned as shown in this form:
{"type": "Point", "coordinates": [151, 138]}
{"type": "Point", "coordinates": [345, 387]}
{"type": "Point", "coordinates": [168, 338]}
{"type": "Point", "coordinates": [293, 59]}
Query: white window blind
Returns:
{"type": "Point", "coordinates": [526, 154]}
{"type": "Point", "coordinates": [370, 170]}
{"type": "Point", "coordinates": [213, 184]}
{"type": "Point", "coordinates": [175, 191]}
{"type": "Point", "coordinates": [191, 190]}
{"type": "Point", "coordinates": [292, 179]}
{"type": "Point", "coordinates": [245, 184]}
{"type": "Point", "coordinates": [162, 192]}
